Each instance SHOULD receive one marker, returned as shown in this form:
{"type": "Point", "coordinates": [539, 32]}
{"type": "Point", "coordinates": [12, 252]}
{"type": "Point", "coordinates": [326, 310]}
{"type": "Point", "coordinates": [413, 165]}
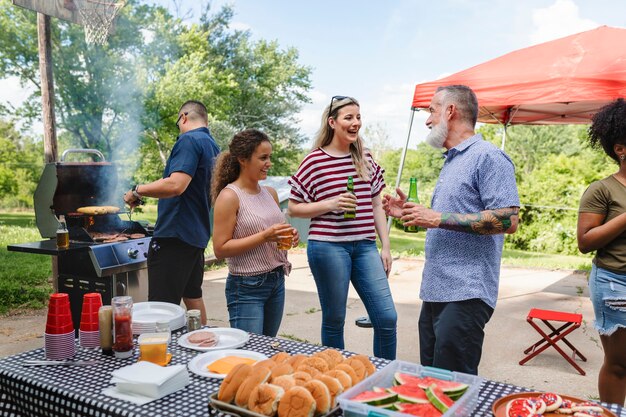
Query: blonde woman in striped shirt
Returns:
{"type": "Point", "coordinates": [342, 250]}
{"type": "Point", "coordinates": [247, 225]}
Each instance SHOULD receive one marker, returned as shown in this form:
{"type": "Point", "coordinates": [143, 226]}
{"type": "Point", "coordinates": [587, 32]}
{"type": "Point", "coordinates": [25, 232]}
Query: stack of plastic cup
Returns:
{"type": "Point", "coordinates": [59, 342]}
{"type": "Point", "coordinates": [89, 331]}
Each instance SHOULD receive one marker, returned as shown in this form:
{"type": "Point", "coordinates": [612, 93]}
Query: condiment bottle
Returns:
{"type": "Point", "coordinates": [350, 214]}
{"type": "Point", "coordinates": [105, 324]}
{"type": "Point", "coordinates": [122, 332]}
{"type": "Point", "coordinates": [412, 198]}
{"type": "Point", "coordinates": [193, 320]}
{"type": "Point", "coordinates": [63, 236]}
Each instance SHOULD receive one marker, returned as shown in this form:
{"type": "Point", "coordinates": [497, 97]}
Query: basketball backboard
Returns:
{"type": "Point", "coordinates": [61, 9]}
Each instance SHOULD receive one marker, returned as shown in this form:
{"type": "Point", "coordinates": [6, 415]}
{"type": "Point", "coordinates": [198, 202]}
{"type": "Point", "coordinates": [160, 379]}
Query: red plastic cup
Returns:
{"type": "Point", "coordinates": [59, 318]}
{"type": "Point", "coordinates": [89, 315]}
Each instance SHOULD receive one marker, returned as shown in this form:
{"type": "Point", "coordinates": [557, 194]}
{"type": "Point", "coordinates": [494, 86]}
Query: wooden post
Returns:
{"type": "Point", "coordinates": [47, 88]}
{"type": "Point", "coordinates": [47, 108]}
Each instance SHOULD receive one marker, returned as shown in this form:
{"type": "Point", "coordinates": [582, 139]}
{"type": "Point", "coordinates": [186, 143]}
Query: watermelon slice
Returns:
{"type": "Point", "coordinates": [410, 393]}
{"type": "Point", "coordinates": [422, 410]}
{"type": "Point", "coordinates": [376, 398]}
{"type": "Point", "coordinates": [440, 400]}
{"type": "Point", "coordinates": [448, 387]}
{"type": "Point", "coordinates": [405, 379]}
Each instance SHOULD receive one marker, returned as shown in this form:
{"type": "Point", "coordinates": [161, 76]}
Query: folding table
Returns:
{"type": "Point", "coordinates": [571, 322]}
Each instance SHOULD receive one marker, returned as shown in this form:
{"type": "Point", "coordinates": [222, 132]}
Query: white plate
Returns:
{"type": "Point", "coordinates": [145, 316]}
{"type": "Point", "coordinates": [228, 339]}
{"type": "Point", "coordinates": [198, 365]}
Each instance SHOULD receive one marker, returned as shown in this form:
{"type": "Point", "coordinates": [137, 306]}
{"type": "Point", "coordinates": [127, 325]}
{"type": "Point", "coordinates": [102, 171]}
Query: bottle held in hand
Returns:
{"type": "Point", "coordinates": [412, 198]}
{"type": "Point", "coordinates": [63, 235]}
{"type": "Point", "coordinates": [350, 214]}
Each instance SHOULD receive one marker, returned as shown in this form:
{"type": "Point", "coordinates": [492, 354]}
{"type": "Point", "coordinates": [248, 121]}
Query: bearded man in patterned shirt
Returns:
{"type": "Point", "coordinates": [475, 202]}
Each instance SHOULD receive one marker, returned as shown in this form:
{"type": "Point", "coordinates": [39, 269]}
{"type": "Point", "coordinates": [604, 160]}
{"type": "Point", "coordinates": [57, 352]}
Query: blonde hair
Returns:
{"type": "Point", "coordinates": [227, 167]}
{"type": "Point", "coordinates": [324, 136]}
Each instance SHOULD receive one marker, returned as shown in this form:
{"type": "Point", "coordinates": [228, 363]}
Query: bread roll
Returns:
{"type": "Point", "coordinates": [281, 357]}
{"type": "Point", "coordinates": [334, 387]}
{"type": "Point", "coordinates": [297, 402]}
{"type": "Point", "coordinates": [344, 379]}
{"type": "Point", "coordinates": [264, 399]}
{"type": "Point", "coordinates": [321, 394]}
{"type": "Point", "coordinates": [286, 382]}
{"type": "Point", "coordinates": [317, 363]}
{"type": "Point", "coordinates": [349, 370]}
{"type": "Point", "coordinates": [337, 356]}
{"type": "Point", "coordinates": [233, 381]}
{"type": "Point", "coordinates": [309, 370]}
{"type": "Point", "coordinates": [358, 367]}
{"type": "Point", "coordinates": [369, 366]}
{"type": "Point", "coordinates": [281, 369]}
{"type": "Point", "coordinates": [296, 360]}
{"type": "Point", "coordinates": [301, 377]}
{"type": "Point", "coordinates": [327, 358]}
{"type": "Point", "coordinates": [268, 363]}
{"type": "Point", "coordinates": [259, 375]}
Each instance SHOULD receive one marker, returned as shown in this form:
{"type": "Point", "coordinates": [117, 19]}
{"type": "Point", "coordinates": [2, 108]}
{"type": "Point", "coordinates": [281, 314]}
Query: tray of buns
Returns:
{"type": "Point", "coordinates": [290, 384]}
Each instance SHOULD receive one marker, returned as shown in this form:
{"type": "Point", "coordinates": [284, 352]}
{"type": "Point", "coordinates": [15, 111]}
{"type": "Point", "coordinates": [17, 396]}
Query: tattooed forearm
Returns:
{"type": "Point", "coordinates": [488, 222]}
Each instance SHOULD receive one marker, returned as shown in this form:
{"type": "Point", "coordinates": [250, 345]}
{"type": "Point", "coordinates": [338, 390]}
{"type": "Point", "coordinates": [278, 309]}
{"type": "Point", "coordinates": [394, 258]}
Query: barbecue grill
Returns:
{"type": "Point", "coordinates": [107, 254]}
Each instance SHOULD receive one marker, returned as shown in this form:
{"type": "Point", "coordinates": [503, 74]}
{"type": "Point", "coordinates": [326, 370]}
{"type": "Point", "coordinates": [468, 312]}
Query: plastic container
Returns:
{"type": "Point", "coordinates": [153, 347]}
{"type": "Point", "coordinates": [463, 407]}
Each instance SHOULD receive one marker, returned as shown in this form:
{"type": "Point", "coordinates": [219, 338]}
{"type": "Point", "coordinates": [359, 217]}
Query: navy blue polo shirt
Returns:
{"type": "Point", "coordinates": [186, 217]}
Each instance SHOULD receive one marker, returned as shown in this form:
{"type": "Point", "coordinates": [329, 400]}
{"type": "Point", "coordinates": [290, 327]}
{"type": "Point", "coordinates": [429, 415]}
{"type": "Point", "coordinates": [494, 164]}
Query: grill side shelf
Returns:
{"type": "Point", "coordinates": [48, 247]}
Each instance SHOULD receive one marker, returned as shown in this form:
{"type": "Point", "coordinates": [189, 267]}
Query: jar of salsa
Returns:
{"type": "Point", "coordinates": [122, 332]}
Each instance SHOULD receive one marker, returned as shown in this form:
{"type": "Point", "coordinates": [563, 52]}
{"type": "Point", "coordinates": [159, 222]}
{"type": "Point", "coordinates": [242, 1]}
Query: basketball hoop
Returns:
{"type": "Point", "coordinates": [98, 16]}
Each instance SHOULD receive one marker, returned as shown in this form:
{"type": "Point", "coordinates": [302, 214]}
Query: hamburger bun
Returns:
{"type": "Point", "coordinates": [334, 387]}
{"type": "Point", "coordinates": [335, 354]}
{"type": "Point", "coordinates": [296, 360]}
{"type": "Point", "coordinates": [297, 402]}
{"type": "Point", "coordinates": [369, 366]}
{"type": "Point", "coordinates": [320, 394]}
{"type": "Point", "coordinates": [264, 399]}
{"type": "Point", "coordinates": [358, 367]}
{"type": "Point", "coordinates": [281, 357]}
{"type": "Point", "coordinates": [233, 381]}
{"type": "Point", "coordinates": [344, 379]}
{"type": "Point", "coordinates": [301, 377]}
{"type": "Point", "coordinates": [268, 363]}
{"type": "Point", "coordinates": [309, 370]}
{"type": "Point", "coordinates": [348, 369]}
{"type": "Point", "coordinates": [286, 382]}
{"type": "Point", "coordinates": [281, 369]}
{"type": "Point", "coordinates": [258, 375]}
{"type": "Point", "coordinates": [317, 363]}
{"type": "Point", "coordinates": [328, 359]}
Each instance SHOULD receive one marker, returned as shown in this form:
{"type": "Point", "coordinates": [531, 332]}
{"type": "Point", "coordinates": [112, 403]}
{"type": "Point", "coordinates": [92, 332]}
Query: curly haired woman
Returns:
{"type": "Point", "coordinates": [248, 223]}
{"type": "Point", "coordinates": [602, 227]}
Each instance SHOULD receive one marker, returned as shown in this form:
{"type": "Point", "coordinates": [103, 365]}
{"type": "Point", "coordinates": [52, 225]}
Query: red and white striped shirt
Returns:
{"type": "Point", "coordinates": [322, 176]}
{"type": "Point", "coordinates": [256, 213]}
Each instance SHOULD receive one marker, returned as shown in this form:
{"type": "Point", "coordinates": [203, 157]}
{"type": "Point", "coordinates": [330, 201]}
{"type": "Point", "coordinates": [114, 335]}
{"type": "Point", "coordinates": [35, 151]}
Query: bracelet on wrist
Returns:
{"type": "Point", "coordinates": [136, 193]}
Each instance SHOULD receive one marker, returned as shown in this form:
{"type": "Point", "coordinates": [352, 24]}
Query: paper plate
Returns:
{"type": "Point", "coordinates": [145, 316]}
{"type": "Point", "coordinates": [198, 365]}
{"type": "Point", "coordinates": [228, 339]}
{"type": "Point", "coordinates": [499, 406]}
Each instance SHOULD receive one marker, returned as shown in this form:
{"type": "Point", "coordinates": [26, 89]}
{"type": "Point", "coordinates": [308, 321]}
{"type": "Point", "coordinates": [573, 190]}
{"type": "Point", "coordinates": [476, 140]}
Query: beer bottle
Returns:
{"type": "Point", "coordinates": [350, 214]}
{"type": "Point", "coordinates": [63, 236]}
{"type": "Point", "coordinates": [412, 199]}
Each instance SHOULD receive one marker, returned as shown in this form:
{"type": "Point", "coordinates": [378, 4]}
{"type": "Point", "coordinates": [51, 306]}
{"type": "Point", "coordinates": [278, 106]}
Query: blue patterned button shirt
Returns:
{"type": "Point", "coordinates": [476, 176]}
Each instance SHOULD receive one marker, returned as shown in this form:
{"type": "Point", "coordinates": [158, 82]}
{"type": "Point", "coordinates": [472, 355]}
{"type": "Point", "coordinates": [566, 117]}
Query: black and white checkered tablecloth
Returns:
{"type": "Point", "coordinates": [77, 391]}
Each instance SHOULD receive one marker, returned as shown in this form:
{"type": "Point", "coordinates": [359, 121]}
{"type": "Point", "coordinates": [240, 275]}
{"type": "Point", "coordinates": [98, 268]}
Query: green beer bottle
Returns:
{"type": "Point", "coordinates": [350, 214]}
{"type": "Point", "coordinates": [412, 199]}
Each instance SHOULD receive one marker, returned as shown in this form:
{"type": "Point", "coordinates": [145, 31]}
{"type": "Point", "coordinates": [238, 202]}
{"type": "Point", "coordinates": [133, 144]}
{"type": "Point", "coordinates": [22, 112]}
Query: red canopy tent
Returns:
{"type": "Point", "coordinates": [564, 81]}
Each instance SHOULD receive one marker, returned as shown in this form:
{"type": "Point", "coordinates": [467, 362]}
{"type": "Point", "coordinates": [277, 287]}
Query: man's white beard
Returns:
{"type": "Point", "coordinates": [438, 134]}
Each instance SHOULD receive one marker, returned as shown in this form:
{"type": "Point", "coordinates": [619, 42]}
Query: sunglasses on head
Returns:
{"type": "Point", "coordinates": [338, 98]}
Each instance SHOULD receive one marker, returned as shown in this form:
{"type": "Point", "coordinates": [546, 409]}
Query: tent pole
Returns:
{"type": "Point", "coordinates": [503, 136]}
{"type": "Point", "coordinates": [402, 157]}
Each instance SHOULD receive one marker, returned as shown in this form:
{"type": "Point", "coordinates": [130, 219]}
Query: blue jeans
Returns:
{"type": "Point", "coordinates": [255, 304]}
{"type": "Point", "coordinates": [334, 265]}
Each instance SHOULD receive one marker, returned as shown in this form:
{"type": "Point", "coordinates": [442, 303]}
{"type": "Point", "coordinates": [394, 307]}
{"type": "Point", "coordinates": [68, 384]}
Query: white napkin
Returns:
{"type": "Point", "coordinates": [144, 381]}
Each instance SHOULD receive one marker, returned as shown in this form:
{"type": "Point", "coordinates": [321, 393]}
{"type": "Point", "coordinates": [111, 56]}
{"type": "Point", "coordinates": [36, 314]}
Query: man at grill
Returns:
{"type": "Point", "coordinates": [182, 230]}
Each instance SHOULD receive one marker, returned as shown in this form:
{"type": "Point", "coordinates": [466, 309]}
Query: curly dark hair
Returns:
{"type": "Point", "coordinates": [608, 127]}
{"type": "Point", "coordinates": [227, 168]}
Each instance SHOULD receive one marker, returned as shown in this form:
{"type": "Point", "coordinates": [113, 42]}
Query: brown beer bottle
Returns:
{"type": "Point", "coordinates": [350, 214]}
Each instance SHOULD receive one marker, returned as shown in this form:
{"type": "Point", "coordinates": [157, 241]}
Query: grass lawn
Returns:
{"type": "Point", "coordinates": [24, 278]}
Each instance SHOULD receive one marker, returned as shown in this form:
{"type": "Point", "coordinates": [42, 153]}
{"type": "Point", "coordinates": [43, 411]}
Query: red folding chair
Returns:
{"type": "Point", "coordinates": [572, 322]}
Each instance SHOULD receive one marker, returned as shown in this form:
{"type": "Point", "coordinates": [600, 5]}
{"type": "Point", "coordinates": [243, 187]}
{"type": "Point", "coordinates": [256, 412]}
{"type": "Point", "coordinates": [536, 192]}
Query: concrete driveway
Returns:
{"type": "Point", "coordinates": [507, 334]}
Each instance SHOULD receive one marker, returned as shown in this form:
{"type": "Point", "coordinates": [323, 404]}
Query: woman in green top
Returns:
{"type": "Point", "coordinates": [602, 227]}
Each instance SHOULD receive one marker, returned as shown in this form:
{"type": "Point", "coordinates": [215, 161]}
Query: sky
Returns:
{"type": "Point", "coordinates": [377, 51]}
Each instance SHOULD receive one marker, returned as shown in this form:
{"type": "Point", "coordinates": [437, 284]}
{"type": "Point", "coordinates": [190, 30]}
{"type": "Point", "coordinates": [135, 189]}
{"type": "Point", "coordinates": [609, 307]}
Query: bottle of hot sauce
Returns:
{"type": "Point", "coordinates": [122, 332]}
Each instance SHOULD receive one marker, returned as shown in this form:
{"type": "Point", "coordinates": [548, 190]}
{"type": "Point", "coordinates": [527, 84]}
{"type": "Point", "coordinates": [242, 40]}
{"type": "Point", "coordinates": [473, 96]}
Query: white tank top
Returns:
{"type": "Point", "coordinates": [257, 212]}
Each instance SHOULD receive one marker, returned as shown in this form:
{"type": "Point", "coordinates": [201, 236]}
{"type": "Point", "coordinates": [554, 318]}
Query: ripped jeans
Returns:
{"type": "Point", "coordinates": [608, 295]}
